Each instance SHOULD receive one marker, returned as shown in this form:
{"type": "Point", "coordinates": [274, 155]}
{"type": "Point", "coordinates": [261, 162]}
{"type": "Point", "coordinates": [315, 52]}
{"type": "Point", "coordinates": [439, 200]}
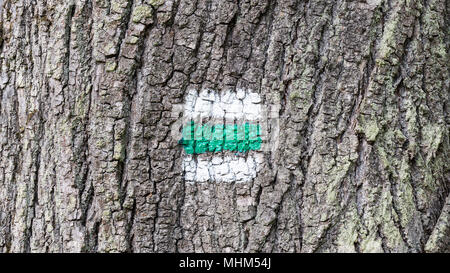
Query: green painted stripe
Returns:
{"type": "Point", "coordinates": [198, 139]}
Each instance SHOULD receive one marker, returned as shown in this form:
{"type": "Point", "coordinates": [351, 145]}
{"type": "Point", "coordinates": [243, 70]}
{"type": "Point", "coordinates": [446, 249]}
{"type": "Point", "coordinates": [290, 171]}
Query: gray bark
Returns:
{"type": "Point", "coordinates": [87, 162]}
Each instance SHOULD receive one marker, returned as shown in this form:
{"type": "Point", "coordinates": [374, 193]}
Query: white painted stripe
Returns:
{"type": "Point", "coordinates": [228, 105]}
{"type": "Point", "coordinates": [227, 168]}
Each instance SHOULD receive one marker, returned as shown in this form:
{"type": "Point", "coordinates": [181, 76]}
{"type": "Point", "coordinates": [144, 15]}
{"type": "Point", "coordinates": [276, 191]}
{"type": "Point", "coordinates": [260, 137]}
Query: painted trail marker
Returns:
{"type": "Point", "coordinates": [222, 135]}
{"type": "Point", "coordinates": [203, 138]}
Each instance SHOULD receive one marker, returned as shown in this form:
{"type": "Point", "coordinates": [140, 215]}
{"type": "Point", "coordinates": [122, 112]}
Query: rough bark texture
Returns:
{"type": "Point", "coordinates": [87, 162]}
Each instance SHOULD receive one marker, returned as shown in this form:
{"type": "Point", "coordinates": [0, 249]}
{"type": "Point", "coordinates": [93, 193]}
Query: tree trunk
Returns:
{"type": "Point", "coordinates": [351, 96]}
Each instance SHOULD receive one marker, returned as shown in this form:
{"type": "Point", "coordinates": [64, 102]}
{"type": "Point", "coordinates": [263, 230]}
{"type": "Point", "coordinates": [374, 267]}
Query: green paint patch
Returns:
{"type": "Point", "coordinates": [203, 138]}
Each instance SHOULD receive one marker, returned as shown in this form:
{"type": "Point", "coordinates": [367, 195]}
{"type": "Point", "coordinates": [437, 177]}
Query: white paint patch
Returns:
{"type": "Point", "coordinates": [231, 106]}
{"type": "Point", "coordinates": [225, 168]}
{"type": "Point", "coordinates": [219, 108]}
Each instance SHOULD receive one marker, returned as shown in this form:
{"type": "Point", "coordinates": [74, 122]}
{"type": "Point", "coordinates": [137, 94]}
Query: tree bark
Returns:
{"type": "Point", "coordinates": [88, 162]}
